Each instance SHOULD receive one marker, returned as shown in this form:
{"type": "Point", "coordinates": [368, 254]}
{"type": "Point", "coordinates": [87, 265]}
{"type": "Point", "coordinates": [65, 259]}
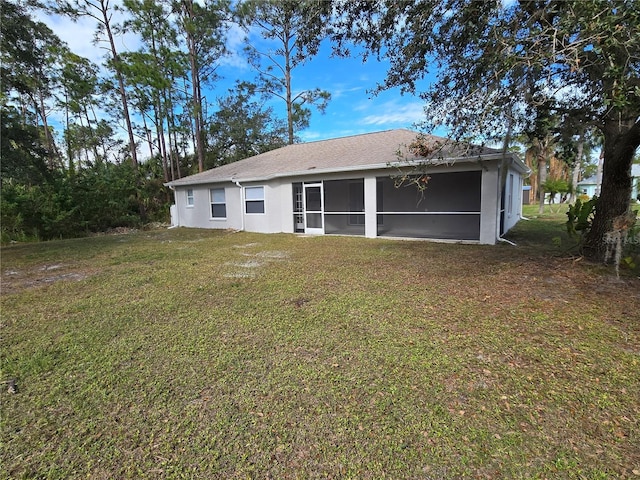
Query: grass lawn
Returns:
{"type": "Point", "coordinates": [200, 354]}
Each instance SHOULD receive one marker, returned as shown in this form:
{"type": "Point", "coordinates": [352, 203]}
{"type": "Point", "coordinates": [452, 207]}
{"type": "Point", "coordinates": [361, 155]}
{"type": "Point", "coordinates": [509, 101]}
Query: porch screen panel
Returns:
{"type": "Point", "coordinates": [344, 206]}
{"type": "Point", "coordinates": [344, 224]}
{"type": "Point", "coordinates": [313, 199]}
{"type": "Point", "coordinates": [445, 192]}
{"type": "Point", "coordinates": [444, 226]}
{"type": "Point", "coordinates": [449, 207]}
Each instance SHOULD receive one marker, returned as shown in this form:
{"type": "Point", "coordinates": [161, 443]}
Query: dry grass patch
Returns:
{"type": "Point", "coordinates": [336, 358]}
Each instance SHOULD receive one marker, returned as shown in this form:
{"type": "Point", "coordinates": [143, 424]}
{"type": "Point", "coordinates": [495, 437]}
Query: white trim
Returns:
{"type": "Point", "coordinates": [241, 202]}
{"type": "Point", "coordinates": [426, 213]}
{"type": "Point", "coordinates": [212, 203]}
{"type": "Point", "coordinates": [321, 212]}
{"type": "Point", "coordinates": [254, 200]}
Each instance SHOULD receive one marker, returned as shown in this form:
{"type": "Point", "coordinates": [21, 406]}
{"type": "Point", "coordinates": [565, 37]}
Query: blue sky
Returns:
{"type": "Point", "coordinates": [352, 109]}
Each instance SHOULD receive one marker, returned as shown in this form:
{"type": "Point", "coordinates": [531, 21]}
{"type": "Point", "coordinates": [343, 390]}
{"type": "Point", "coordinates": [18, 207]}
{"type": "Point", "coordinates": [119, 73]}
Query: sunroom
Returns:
{"type": "Point", "coordinates": [448, 208]}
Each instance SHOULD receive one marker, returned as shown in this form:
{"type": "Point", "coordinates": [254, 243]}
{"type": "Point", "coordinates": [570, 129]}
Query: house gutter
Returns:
{"type": "Point", "coordinates": [241, 202]}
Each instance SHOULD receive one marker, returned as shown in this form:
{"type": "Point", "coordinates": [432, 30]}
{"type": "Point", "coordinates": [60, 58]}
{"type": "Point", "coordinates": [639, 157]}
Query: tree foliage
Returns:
{"type": "Point", "coordinates": [498, 64]}
{"type": "Point", "coordinates": [67, 169]}
{"type": "Point", "coordinates": [102, 12]}
{"type": "Point", "coordinates": [203, 30]}
{"type": "Point", "coordinates": [294, 30]}
{"type": "Point", "coordinates": [243, 127]}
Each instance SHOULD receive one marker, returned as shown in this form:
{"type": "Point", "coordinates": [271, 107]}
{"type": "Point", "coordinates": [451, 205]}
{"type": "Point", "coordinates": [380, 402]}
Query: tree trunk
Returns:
{"type": "Point", "coordinates": [289, 102]}
{"type": "Point", "coordinates": [52, 150]}
{"type": "Point", "coordinates": [94, 144]}
{"type": "Point", "coordinates": [197, 113]}
{"type": "Point", "coordinates": [542, 177]}
{"type": "Point", "coordinates": [162, 147]}
{"type": "Point", "coordinates": [620, 142]}
{"type": "Point", "coordinates": [575, 174]}
{"type": "Point", "coordinates": [71, 167]}
{"type": "Point", "coordinates": [287, 81]}
{"type": "Point", "coordinates": [121, 88]}
{"type": "Point", "coordinates": [196, 92]}
{"type": "Point", "coordinates": [530, 161]}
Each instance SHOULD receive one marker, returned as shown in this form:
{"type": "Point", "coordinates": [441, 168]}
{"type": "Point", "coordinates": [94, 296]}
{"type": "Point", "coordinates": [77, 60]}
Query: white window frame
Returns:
{"type": "Point", "coordinates": [191, 199]}
{"type": "Point", "coordinates": [510, 195]}
{"type": "Point", "coordinates": [249, 198]}
{"type": "Point", "coordinates": [212, 202]}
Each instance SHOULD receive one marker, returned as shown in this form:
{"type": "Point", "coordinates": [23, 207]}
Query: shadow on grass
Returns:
{"type": "Point", "coordinates": [544, 233]}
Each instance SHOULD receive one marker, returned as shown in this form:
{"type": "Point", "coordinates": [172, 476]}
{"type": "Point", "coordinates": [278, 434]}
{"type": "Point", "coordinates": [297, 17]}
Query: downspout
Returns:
{"type": "Point", "coordinates": [175, 200]}
{"type": "Point", "coordinates": [241, 203]}
{"type": "Point", "coordinates": [501, 239]}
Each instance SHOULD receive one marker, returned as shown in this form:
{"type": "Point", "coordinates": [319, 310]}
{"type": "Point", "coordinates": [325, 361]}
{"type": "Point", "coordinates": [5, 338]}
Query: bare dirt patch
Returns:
{"type": "Point", "coordinates": [15, 280]}
{"type": "Point", "coordinates": [252, 262]}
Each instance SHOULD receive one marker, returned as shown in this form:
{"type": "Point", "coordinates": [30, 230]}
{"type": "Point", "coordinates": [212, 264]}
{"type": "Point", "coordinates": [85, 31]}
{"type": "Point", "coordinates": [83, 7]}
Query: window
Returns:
{"type": "Point", "coordinates": [218, 203]}
{"type": "Point", "coordinates": [254, 199]}
{"type": "Point", "coordinates": [190, 201]}
{"type": "Point", "coordinates": [510, 200]}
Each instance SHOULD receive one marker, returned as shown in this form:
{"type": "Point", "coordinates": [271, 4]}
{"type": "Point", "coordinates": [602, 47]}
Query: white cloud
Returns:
{"type": "Point", "coordinates": [340, 91]}
{"type": "Point", "coordinates": [77, 35]}
{"type": "Point", "coordinates": [80, 35]}
{"type": "Point", "coordinates": [393, 113]}
{"type": "Point", "coordinates": [311, 135]}
{"type": "Point", "coordinates": [235, 42]}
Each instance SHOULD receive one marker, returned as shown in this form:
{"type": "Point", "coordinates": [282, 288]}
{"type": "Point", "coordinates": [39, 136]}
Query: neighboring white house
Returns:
{"type": "Point", "coordinates": [346, 186]}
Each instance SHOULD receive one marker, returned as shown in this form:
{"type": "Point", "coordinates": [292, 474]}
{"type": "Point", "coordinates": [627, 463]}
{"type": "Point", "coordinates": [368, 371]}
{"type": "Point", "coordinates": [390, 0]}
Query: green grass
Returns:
{"type": "Point", "coordinates": [199, 354]}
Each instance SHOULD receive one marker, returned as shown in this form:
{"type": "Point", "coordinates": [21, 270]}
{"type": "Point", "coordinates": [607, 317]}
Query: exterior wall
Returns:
{"type": "Point", "coordinates": [370, 207]}
{"type": "Point", "coordinates": [588, 189]}
{"type": "Point", "coordinates": [278, 202]}
{"type": "Point", "coordinates": [490, 204]}
{"type": "Point", "coordinates": [199, 215]}
{"type": "Point", "coordinates": [513, 199]}
{"type": "Point", "coordinates": [285, 200]}
{"type": "Point", "coordinates": [270, 220]}
{"type": "Point", "coordinates": [277, 216]}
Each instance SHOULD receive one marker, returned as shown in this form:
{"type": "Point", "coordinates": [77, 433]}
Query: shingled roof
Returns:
{"type": "Point", "coordinates": [359, 152]}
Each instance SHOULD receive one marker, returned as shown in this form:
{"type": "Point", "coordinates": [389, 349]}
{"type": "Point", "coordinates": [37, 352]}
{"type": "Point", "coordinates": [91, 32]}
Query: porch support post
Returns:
{"type": "Point", "coordinates": [370, 206]}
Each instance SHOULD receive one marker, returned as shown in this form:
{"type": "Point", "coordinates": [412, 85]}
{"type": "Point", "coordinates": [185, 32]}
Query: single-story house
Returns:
{"type": "Point", "coordinates": [348, 186]}
{"type": "Point", "coordinates": [588, 186]}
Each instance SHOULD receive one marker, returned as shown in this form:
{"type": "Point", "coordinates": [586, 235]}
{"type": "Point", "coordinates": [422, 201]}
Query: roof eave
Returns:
{"type": "Point", "coordinates": [375, 166]}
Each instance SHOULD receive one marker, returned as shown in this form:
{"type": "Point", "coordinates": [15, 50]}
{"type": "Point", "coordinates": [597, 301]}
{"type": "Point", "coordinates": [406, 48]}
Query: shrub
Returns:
{"type": "Point", "coordinates": [580, 216]}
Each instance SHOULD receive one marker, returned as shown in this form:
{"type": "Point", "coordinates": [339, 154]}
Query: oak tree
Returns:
{"type": "Point", "coordinates": [497, 63]}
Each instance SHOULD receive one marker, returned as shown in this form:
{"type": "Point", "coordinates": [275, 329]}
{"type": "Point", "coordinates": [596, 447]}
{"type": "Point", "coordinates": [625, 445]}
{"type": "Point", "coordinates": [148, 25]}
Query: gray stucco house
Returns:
{"type": "Point", "coordinates": [346, 186]}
